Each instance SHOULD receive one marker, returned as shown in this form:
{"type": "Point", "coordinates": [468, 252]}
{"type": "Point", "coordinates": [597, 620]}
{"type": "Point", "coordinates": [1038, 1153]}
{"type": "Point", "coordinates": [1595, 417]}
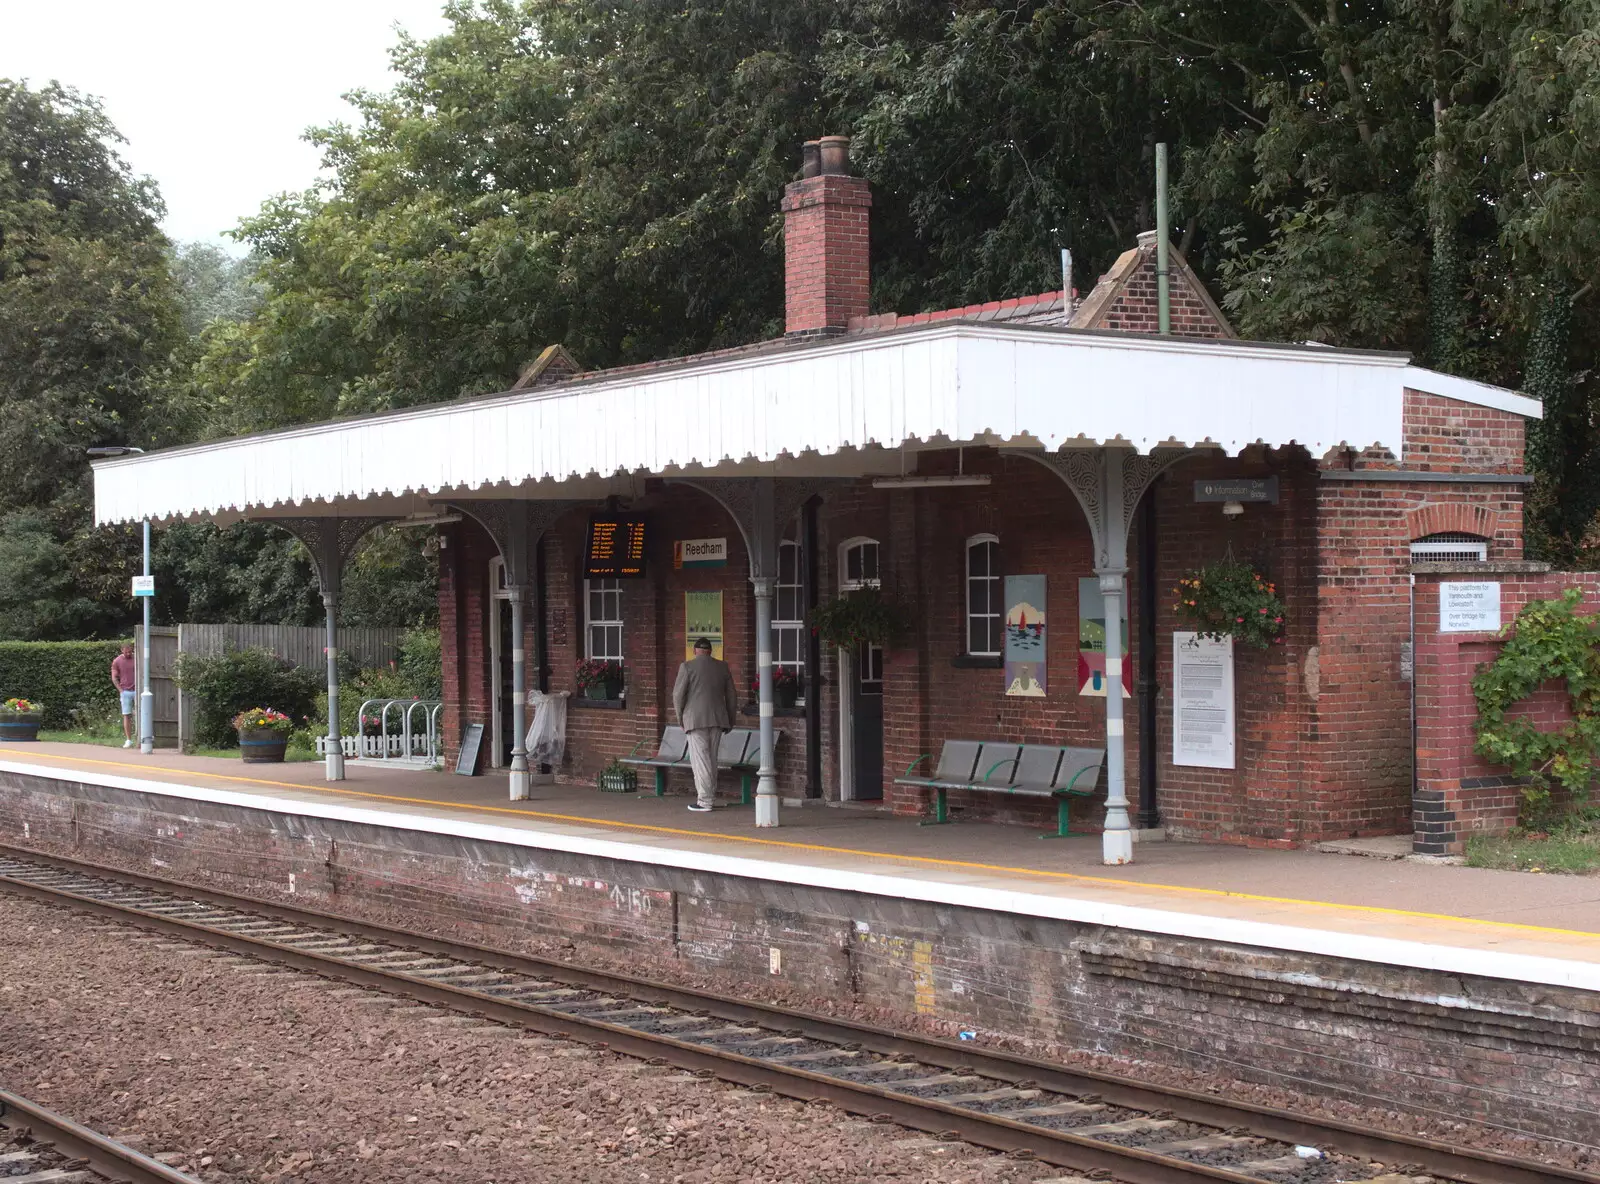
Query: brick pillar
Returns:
{"type": "Point", "coordinates": [825, 222]}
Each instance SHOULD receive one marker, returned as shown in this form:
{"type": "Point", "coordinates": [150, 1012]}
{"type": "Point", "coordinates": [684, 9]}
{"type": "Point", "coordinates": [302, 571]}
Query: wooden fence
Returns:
{"type": "Point", "coordinates": [300, 644]}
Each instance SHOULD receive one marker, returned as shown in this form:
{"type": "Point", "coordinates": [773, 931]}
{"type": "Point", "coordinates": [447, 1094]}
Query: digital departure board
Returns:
{"type": "Point", "coordinates": [616, 549]}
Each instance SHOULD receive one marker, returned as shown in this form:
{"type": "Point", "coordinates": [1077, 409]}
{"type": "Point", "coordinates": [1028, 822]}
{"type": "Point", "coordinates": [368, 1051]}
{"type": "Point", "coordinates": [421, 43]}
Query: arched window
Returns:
{"type": "Point", "coordinates": [858, 565]}
{"type": "Point", "coordinates": [984, 610]}
{"type": "Point", "coordinates": [1450, 546]}
{"type": "Point", "coordinates": [789, 611]}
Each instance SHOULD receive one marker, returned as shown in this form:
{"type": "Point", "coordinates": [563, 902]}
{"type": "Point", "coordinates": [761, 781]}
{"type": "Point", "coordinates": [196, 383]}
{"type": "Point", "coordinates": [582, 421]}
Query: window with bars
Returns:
{"type": "Point", "coordinates": [789, 611]}
{"type": "Point", "coordinates": [1451, 546]}
{"type": "Point", "coordinates": [602, 619]}
{"type": "Point", "coordinates": [984, 610]}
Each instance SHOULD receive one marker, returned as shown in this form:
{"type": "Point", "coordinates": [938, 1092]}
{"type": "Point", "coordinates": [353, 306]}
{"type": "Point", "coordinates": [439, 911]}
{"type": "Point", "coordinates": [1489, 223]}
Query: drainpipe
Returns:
{"type": "Point", "coordinates": [1163, 239]}
{"type": "Point", "coordinates": [1149, 811]}
{"type": "Point", "coordinates": [808, 526]}
{"type": "Point", "coordinates": [1066, 286]}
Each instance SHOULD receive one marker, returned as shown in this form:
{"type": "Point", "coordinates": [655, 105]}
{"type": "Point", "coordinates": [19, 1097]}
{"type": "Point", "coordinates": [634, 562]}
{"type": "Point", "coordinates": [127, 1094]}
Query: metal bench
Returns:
{"type": "Point", "coordinates": [739, 750]}
{"type": "Point", "coordinates": [996, 766]}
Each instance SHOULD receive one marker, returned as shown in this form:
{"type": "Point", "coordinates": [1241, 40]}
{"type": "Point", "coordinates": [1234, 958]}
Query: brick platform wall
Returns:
{"type": "Point", "coordinates": [1458, 793]}
{"type": "Point", "coordinates": [1490, 1050]}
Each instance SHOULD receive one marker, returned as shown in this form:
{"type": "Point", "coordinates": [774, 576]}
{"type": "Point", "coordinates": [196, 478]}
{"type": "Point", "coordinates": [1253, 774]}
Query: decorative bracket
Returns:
{"type": "Point", "coordinates": [331, 542]}
{"type": "Point", "coordinates": [515, 526]}
{"type": "Point", "coordinates": [1108, 483]}
{"type": "Point", "coordinates": [761, 507]}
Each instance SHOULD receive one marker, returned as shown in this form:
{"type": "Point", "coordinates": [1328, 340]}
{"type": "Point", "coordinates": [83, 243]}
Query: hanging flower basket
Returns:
{"type": "Point", "coordinates": [1232, 599]}
{"type": "Point", "coordinates": [865, 616]}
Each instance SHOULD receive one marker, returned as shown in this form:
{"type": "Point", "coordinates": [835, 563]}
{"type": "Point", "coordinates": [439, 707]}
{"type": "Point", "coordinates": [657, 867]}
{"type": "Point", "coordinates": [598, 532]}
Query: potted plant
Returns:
{"type": "Point", "coordinates": [866, 615]}
{"type": "Point", "coordinates": [20, 719]}
{"type": "Point", "coordinates": [600, 678]}
{"type": "Point", "coordinates": [617, 778]}
{"type": "Point", "coordinates": [263, 735]}
{"type": "Point", "coordinates": [1232, 599]}
{"type": "Point", "coordinates": [785, 687]}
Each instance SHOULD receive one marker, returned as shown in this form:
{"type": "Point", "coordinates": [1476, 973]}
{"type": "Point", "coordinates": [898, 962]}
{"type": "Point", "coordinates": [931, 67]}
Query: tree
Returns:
{"type": "Point", "coordinates": [88, 324]}
{"type": "Point", "coordinates": [213, 286]}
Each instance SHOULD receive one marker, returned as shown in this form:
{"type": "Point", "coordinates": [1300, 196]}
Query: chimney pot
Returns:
{"type": "Point", "coordinates": [835, 154]}
{"type": "Point", "coordinates": [810, 159]}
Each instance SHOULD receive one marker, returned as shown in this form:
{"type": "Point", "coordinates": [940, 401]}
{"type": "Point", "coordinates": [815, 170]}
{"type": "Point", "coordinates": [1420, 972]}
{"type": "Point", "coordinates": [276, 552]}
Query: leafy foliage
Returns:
{"type": "Point", "coordinates": [66, 676]}
{"type": "Point", "coordinates": [239, 680]}
{"type": "Point", "coordinates": [1548, 643]}
{"type": "Point", "coordinates": [864, 616]}
{"type": "Point", "coordinates": [1231, 599]}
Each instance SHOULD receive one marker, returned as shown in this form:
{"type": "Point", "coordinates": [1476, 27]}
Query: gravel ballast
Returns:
{"type": "Point", "coordinates": [242, 1073]}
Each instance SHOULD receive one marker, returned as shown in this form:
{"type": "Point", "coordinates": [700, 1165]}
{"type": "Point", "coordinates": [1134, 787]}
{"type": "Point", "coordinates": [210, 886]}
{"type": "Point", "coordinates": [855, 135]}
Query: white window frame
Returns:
{"type": "Point", "coordinates": [1450, 546]}
{"type": "Point", "coordinates": [789, 630]}
{"type": "Point", "coordinates": [604, 587]}
{"type": "Point", "coordinates": [845, 583]}
{"type": "Point", "coordinates": [996, 611]}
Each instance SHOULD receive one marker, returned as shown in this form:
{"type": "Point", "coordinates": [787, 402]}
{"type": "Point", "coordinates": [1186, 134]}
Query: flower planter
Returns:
{"type": "Point", "coordinates": [262, 746]}
{"type": "Point", "coordinates": [618, 781]}
{"type": "Point", "coordinates": [20, 727]}
{"type": "Point", "coordinates": [786, 696]}
{"type": "Point", "coordinates": [603, 691]}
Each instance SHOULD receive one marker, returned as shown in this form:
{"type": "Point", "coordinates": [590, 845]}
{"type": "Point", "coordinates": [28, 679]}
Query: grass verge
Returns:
{"type": "Point", "coordinates": [1570, 847]}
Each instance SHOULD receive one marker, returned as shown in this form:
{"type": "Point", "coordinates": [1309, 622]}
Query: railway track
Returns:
{"type": "Point", "coordinates": [1095, 1124]}
{"type": "Point", "coordinates": [39, 1146]}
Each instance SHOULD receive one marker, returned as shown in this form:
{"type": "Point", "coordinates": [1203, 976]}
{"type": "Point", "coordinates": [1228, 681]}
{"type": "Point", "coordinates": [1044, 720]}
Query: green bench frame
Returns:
{"type": "Point", "coordinates": [738, 751]}
{"type": "Point", "coordinates": [960, 760]}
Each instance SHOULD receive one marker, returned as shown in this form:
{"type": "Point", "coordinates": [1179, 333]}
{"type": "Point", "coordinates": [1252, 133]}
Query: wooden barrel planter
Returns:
{"type": "Point", "coordinates": [20, 727]}
{"type": "Point", "coordinates": [262, 746]}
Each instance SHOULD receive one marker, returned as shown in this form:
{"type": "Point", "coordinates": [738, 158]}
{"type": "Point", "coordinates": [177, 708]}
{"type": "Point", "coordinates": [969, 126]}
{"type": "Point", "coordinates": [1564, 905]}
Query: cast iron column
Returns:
{"type": "Point", "coordinates": [1117, 839]}
{"type": "Point", "coordinates": [520, 781]}
{"type": "Point", "coordinates": [330, 601]}
{"type": "Point", "coordinates": [147, 727]}
{"type": "Point", "coordinates": [767, 776]}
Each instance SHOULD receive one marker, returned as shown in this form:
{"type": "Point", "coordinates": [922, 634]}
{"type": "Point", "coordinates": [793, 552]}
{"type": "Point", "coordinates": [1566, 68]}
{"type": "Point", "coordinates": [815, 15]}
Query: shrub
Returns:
{"type": "Point", "coordinates": [235, 681]}
{"type": "Point", "coordinates": [421, 663]}
{"type": "Point", "coordinates": [66, 676]}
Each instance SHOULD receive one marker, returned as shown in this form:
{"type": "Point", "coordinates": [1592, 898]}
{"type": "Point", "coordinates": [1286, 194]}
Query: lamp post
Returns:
{"type": "Point", "coordinates": [147, 737]}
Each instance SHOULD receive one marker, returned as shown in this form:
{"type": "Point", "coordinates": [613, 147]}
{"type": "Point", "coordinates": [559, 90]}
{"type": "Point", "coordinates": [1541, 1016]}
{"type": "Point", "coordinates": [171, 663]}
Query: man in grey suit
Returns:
{"type": "Point", "coordinates": [706, 702]}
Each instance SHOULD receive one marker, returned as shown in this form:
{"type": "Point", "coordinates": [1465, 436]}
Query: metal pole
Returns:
{"type": "Point", "coordinates": [147, 736]}
{"type": "Point", "coordinates": [335, 753]}
{"type": "Point", "coordinates": [1117, 840]}
{"type": "Point", "coordinates": [1149, 809]}
{"type": "Point", "coordinates": [519, 699]}
{"type": "Point", "coordinates": [1163, 238]}
{"type": "Point", "coordinates": [767, 777]}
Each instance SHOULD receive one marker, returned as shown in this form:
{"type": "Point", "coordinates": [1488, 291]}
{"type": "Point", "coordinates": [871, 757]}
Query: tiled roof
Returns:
{"type": "Point", "coordinates": [1041, 309]}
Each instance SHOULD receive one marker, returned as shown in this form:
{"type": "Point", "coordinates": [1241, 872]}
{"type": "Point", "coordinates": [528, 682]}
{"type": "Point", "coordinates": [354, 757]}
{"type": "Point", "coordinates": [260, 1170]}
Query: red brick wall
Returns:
{"type": "Point", "coordinates": [1458, 793]}
{"type": "Point", "coordinates": [1444, 435]}
{"type": "Point", "coordinates": [1136, 308]}
{"type": "Point", "coordinates": [826, 272]}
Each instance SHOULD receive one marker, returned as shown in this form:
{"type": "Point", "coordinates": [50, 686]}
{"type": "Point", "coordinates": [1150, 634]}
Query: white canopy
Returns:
{"type": "Point", "coordinates": [951, 382]}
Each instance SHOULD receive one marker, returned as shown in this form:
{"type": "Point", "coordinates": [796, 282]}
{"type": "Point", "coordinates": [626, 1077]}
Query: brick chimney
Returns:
{"type": "Point", "coordinates": [825, 213]}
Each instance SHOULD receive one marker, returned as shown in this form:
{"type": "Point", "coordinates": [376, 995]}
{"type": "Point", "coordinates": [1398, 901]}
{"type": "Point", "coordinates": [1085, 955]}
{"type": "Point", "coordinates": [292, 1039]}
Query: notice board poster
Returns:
{"type": "Point", "coordinates": [702, 617]}
{"type": "Point", "coordinates": [1469, 608]}
{"type": "Point", "coordinates": [615, 549]}
{"type": "Point", "coordinates": [1202, 701]}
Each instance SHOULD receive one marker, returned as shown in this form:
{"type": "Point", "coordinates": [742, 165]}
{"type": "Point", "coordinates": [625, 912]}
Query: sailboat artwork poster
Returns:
{"type": "Point", "coordinates": [1025, 637]}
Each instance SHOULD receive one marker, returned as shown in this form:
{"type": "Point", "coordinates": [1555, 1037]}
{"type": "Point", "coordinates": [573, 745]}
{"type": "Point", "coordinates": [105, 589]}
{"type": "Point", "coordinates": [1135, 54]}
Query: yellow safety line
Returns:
{"type": "Point", "coordinates": [927, 859]}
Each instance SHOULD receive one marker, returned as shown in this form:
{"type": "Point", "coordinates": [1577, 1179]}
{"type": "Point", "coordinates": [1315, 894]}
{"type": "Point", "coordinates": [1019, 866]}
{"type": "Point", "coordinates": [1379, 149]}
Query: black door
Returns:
{"type": "Point", "coordinates": [867, 726]}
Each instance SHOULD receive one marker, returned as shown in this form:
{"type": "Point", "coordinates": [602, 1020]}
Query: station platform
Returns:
{"type": "Point", "coordinates": [1526, 928]}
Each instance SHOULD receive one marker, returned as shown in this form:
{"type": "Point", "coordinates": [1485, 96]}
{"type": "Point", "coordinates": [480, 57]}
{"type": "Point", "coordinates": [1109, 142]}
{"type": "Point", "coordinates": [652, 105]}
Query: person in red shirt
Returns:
{"type": "Point", "coordinates": [122, 677]}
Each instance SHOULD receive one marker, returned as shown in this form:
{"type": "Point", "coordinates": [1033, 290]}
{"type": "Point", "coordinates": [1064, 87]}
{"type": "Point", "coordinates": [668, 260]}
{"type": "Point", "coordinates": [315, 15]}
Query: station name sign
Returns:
{"type": "Point", "coordinates": [615, 549]}
{"type": "Point", "coordinates": [1238, 489]}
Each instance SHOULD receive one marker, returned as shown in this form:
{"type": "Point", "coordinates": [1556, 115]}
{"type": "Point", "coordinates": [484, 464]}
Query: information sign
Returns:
{"type": "Point", "coordinates": [144, 585]}
{"type": "Point", "coordinates": [471, 741]}
{"type": "Point", "coordinates": [1237, 489]}
{"type": "Point", "coordinates": [1469, 607]}
{"type": "Point", "coordinates": [616, 549]}
{"type": "Point", "coordinates": [1202, 701]}
{"type": "Point", "coordinates": [700, 553]}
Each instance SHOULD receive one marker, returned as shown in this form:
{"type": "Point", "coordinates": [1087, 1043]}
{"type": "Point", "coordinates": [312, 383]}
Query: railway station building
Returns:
{"type": "Point", "coordinates": [1011, 478]}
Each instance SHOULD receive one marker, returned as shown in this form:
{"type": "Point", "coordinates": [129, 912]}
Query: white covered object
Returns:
{"type": "Point", "coordinates": [547, 735]}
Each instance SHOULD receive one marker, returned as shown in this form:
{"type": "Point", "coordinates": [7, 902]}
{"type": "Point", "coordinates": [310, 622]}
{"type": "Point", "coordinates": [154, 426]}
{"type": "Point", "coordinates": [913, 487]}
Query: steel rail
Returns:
{"type": "Point", "coordinates": [75, 1141]}
{"type": "Point", "coordinates": [995, 1131]}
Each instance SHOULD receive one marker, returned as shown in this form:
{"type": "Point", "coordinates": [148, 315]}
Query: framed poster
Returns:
{"type": "Point", "coordinates": [1092, 639]}
{"type": "Point", "coordinates": [1025, 637]}
{"type": "Point", "coordinates": [702, 617]}
{"type": "Point", "coordinates": [1202, 701]}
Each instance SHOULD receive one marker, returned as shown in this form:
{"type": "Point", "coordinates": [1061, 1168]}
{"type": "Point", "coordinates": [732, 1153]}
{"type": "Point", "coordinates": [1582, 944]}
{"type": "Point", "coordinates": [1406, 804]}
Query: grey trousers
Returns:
{"type": "Point", "coordinates": [703, 745]}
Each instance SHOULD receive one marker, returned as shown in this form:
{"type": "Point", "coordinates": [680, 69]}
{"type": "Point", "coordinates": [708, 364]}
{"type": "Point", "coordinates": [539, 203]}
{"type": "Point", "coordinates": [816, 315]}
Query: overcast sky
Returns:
{"type": "Point", "coordinates": [213, 95]}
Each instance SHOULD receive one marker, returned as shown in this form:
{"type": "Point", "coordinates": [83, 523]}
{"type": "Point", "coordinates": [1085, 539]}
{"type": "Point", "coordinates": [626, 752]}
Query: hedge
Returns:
{"type": "Point", "coordinates": [63, 675]}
